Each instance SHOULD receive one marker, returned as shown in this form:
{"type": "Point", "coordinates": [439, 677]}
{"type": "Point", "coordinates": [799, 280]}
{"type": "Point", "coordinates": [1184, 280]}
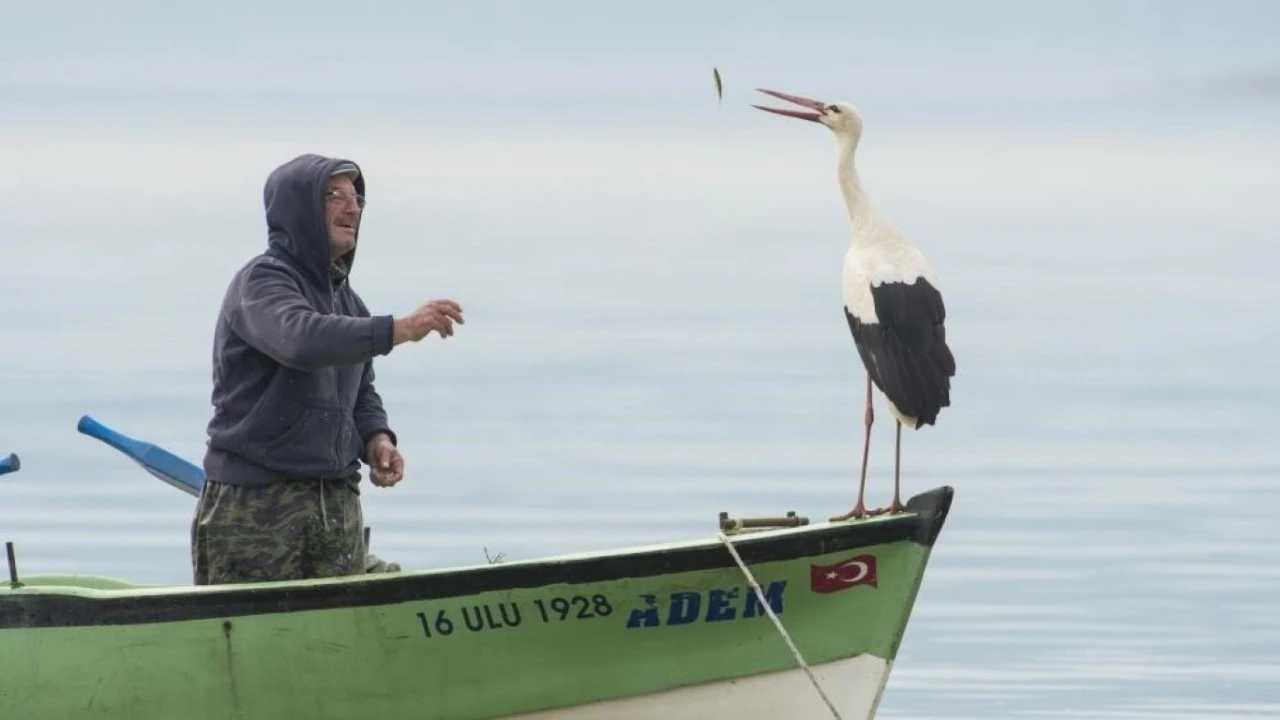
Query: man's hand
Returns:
{"type": "Point", "coordinates": [386, 465]}
{"type": "Point", "coordinates": [438, 315]}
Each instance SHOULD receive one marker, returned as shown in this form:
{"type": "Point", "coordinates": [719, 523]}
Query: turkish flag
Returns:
{"type": "Point", "coordinates": [857, 570]}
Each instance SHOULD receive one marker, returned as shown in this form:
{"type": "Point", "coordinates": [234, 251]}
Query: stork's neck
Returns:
{"type": "Point", "coordinates": [861, 213]}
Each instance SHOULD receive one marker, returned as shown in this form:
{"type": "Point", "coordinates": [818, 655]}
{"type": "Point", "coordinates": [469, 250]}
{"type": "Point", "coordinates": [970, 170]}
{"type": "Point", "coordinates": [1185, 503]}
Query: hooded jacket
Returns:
{"type": "Point", "coordinates": [293, 348]}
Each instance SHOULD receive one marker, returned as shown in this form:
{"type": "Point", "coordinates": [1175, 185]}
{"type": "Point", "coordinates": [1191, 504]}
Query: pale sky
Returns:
{"type": "Point", "coordinates": [564, 112]}
{"type": "Point", "coordinates": [1022, 59]}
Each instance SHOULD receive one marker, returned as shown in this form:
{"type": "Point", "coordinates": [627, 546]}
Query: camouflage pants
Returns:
{"type": "Point", "coordinates": [284, 531]}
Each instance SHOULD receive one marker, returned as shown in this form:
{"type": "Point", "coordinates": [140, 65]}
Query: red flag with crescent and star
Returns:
{"type": "Point", "coordinates": [857, 570]}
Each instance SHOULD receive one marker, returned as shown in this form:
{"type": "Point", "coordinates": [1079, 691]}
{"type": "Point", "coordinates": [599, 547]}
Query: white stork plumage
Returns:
{"type": "Point", "coordinates": [891, 301]}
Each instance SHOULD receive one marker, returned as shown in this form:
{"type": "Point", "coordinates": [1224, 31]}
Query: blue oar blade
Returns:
{"type": "Point", "coordinates": [154, 459]}
{"type": "Point", "coordinates": [9, 464]}
{"type": "Point", "coordinates": [174, 470]}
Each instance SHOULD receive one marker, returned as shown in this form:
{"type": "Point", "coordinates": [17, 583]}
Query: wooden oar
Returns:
{"type": "Point", "coordinates": [9, 464]}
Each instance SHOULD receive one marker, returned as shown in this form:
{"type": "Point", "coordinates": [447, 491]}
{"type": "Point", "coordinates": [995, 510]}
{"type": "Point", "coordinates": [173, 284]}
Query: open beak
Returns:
{"type": "Point", "coordinates": [802, 101]}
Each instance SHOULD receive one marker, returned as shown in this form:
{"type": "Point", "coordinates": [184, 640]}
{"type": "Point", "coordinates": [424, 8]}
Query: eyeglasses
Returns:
{"type": "Point", "coordinates": [340, 196]}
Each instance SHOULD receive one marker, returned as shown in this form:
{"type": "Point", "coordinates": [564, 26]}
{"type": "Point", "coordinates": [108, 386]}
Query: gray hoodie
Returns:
{"type": "Point", "coordinates": [293, 349]}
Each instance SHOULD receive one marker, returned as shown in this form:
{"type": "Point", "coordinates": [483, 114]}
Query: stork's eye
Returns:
{"type": "Point", "coordinates": [833, 108]}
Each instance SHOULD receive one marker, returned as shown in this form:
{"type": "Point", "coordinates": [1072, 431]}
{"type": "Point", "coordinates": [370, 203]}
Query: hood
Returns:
{"type": "Point", "coordinates": [294, 203]}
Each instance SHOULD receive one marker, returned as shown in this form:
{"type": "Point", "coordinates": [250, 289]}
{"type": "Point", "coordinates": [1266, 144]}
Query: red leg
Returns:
{"type": "Point", "coordinates": [860, 510]}
{"type": "Point", "coordinates": [896, 506]}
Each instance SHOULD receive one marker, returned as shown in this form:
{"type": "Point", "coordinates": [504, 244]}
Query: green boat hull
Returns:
{"type": "Point", "coordinates": [639, 632]}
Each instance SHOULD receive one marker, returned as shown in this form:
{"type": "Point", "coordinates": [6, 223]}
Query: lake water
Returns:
{"type": "Point", "coordinates": [654, 335]}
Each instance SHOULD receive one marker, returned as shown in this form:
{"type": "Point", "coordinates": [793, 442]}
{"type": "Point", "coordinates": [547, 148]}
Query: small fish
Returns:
{"type": "Point", "coordinates": [719, 85]}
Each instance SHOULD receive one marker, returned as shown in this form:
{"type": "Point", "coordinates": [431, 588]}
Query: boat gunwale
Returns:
{"type": "Point", "coordinates": [33, 605]}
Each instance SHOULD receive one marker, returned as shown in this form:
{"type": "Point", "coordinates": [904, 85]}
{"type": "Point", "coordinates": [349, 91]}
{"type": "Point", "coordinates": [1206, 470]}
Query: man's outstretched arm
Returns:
{"type": "Point", "coordinates": [275, 318]}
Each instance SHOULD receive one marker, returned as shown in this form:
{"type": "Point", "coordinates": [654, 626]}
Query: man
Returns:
{"type": "Point", "coordinates": [295, 409]}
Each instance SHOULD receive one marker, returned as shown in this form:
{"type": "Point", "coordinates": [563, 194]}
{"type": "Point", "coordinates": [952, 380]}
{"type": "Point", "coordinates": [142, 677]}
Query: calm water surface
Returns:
{"type": "Point", "coordinates": [654, 335]}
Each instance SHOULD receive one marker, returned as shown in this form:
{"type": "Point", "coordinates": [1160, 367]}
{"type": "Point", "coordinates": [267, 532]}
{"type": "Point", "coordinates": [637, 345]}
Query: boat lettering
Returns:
{"type": "Point", "coordinates": [715, 605]}
{"type": "Point", "coordinates": [440, 625]}
{"type": "Point", "coordinates": [576, 607]}
{"type": "Point", "coordinates": [475, 617]}
{"type": "Point", "coordinates": [481, 617]}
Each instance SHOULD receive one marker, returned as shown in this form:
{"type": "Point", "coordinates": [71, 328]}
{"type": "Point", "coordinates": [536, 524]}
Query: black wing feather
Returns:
{"type": "Point", "coordinates": [906, 351]}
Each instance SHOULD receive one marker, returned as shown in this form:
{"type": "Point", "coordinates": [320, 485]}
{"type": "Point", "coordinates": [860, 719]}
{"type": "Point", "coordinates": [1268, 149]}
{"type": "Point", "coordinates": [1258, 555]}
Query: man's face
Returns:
{"type": "Point", "coordinates": [341, 213]}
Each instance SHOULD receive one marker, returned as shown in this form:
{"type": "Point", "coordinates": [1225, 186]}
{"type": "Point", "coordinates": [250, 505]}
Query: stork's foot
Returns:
{"type": "Point", "coordinates": [894, 508]}
{"type": "Point", "coordinates": [858, 512]}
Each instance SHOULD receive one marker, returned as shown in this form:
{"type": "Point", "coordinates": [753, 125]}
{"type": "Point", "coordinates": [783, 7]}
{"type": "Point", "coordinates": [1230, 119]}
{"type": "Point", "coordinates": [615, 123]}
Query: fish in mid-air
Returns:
{"type": "Point", "coordinates": [719, 85]}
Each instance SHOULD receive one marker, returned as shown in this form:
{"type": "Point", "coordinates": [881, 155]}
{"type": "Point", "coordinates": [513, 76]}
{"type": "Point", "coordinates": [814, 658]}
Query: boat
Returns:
{"type": "Point", "coordinates": [773, 618]}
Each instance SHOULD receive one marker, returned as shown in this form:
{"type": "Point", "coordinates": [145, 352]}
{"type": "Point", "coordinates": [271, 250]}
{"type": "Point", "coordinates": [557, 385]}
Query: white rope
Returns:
{"type": "Point", "coordinates": [778, 624]}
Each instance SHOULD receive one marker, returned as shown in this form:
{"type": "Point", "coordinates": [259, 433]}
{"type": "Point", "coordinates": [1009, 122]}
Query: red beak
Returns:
{"type": "Point", "coordinates": [810, 103]}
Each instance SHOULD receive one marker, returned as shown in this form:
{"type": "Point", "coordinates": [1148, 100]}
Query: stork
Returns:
{"type": "Point", "coordinates": [891, 301]}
